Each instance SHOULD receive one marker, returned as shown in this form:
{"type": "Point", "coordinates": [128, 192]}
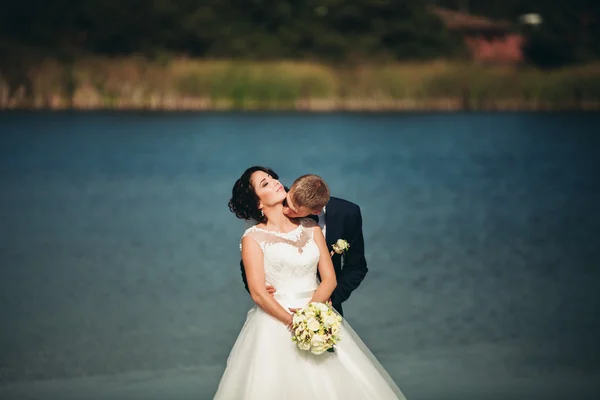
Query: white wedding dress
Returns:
{"type": "Point", "coordinates": [264, 363]}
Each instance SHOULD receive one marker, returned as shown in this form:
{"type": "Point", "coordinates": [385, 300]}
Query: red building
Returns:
{"type": "Point", "coordinates": [488, 41]}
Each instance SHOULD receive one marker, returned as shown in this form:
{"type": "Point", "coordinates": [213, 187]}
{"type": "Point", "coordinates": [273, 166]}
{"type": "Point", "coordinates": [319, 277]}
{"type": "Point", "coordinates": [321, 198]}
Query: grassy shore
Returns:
{"type": "Point", "coordinates": [189, 84]}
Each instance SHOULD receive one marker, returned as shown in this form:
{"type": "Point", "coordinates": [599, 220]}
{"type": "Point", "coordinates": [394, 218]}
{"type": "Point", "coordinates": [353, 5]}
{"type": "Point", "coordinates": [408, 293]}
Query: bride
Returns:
{"type": "Point", "coordinates": [286, 253]}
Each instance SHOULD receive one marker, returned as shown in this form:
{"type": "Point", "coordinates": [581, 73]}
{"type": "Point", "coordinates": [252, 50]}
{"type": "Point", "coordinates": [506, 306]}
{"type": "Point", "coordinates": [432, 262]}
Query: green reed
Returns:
{"type": "Point", "coordinates": [136, 82]}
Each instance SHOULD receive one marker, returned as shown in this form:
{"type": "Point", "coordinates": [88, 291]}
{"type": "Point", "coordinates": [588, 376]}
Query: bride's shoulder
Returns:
{"type": "Point", "coordinates": [254, 233]}
{"type": "Point", "coordinates": [251, 231]}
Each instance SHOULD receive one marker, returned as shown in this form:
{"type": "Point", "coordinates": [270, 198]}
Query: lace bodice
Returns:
{"type": "Point", "coordinates": [290, 259]}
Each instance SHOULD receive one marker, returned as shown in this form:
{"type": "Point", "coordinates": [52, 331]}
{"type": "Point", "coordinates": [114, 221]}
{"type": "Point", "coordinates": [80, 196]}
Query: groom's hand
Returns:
{"type": "Point", "coordinates": [271, 290]}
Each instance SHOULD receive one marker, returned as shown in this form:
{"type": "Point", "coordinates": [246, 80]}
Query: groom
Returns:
{"type": "Point", "coordinates": [339, 219]}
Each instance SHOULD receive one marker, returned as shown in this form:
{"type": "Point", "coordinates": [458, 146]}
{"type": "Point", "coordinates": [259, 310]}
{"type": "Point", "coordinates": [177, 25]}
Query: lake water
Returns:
{"type": "Point", "coordinates": [119, 274]}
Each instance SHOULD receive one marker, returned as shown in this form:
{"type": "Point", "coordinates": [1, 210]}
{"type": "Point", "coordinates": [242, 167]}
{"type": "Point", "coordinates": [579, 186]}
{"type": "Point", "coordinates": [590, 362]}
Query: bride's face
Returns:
{"type": "Point", "coordinates": [267, 188]}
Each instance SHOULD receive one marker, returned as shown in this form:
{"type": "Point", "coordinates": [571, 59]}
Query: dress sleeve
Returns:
{"type": "Point", "coordinates": [256, 235]}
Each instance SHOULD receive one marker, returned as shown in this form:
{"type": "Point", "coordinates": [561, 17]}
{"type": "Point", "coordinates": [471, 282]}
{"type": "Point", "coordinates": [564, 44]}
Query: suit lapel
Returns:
{"type": "Point", "coordinates": [333, 224]}
{"type": "Point", "coordinates": [332, 232]}
{"type": "Point", "coordinates": [330, 224]}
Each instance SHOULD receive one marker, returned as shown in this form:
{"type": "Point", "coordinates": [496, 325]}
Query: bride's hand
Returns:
{"type": "Point", "coordinates": [289, 323]}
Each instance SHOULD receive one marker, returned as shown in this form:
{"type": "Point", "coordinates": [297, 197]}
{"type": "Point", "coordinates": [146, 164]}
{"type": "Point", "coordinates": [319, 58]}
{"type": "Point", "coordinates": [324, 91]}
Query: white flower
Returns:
{"type": "Point", "coordinates": [313, 324]}
{"type": "Point", "coordinates": [329, 321]}
{"type": "Point", "coordinates": [340, 246]}
{"type": "Point", "coordinates": [298, 319]}
{"type": "Point", "coordinates": [317, 340]}
{"type": "Point", "coordinates": [304, 346]}
{"type": "Point", "coordinates": [318, 350]}
{"type": "Point", "coordinates": [322, 307]}
{"type": "Point", "coordinates": [335, 329]}
{"type": "Point", "coordinates": [341, 243]}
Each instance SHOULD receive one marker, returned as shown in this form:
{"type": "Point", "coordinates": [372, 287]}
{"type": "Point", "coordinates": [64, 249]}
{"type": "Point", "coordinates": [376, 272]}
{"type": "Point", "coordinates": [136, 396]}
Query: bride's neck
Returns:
{"type": "Point", "coordinates": [276, 220]}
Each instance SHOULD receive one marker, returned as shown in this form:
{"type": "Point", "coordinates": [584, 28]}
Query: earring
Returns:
{"type": "Point", "coordinates": [262, 214]}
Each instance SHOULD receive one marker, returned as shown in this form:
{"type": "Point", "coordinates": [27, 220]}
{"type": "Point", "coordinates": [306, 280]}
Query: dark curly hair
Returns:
{"type": "Point", "coordinates": [244, 201]}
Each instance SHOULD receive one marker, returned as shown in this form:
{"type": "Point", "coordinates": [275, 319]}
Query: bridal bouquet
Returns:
{"type": "Point", "coordinates": [316, 328]}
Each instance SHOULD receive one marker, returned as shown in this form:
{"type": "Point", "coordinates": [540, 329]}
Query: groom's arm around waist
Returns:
{"type": "Point", "coordinates": [354, 268]}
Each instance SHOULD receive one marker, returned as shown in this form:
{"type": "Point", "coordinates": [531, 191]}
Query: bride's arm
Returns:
{"type": "Point", "coordinates": [252, 257]}
{"type": "Point", "coordinates": [328, 280]}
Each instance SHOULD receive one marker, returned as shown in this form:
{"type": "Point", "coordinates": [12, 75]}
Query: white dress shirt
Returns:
{"type": "Point", "coordinates": [321, 216]}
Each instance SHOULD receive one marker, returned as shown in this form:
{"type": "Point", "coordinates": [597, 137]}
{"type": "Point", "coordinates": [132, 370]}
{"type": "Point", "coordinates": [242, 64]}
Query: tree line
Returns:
{"type": "Point", "coordinates": [320, 30]}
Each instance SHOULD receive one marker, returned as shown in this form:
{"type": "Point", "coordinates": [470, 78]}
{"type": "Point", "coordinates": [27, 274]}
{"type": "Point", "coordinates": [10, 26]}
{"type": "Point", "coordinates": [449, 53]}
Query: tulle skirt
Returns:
{"type": "Point", "coordinates": [264, 364]}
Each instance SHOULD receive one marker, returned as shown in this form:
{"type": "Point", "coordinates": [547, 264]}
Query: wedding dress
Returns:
{"type": "Point", "coordinates": [264, 363]}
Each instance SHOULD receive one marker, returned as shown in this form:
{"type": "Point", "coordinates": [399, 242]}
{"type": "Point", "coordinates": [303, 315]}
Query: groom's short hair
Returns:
{"type": "Point", "coordinates": [310, 191]}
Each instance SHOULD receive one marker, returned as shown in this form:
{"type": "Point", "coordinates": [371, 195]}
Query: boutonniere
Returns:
{"type": "Point", "coordinates": [340, 247]}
